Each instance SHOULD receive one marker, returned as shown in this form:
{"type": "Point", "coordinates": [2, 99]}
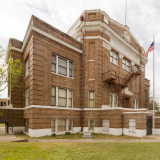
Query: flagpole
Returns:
{"type": "Point", "coordinates": [153, 87]}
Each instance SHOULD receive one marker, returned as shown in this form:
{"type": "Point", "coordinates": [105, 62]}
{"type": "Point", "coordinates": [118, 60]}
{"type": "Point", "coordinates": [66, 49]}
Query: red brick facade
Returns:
{"type": "Point", "coordinates": [43, 40]}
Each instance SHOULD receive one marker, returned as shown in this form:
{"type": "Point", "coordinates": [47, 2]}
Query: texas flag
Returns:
{"type": "Point", "coordinates": [149, 49]}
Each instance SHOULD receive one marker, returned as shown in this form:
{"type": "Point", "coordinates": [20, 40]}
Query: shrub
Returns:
{"type": "Point", "coordinates": [53, 135]}
{"type": "Point", "coordinates": [67, 133]}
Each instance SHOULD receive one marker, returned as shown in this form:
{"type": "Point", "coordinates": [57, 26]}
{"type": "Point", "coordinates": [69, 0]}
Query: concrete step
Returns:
{"type": "Point", "coordinates": [87, 135]}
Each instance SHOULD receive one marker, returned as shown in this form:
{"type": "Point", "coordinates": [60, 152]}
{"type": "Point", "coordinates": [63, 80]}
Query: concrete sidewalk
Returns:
{"type": "Point", "coordinates": [12, 138]}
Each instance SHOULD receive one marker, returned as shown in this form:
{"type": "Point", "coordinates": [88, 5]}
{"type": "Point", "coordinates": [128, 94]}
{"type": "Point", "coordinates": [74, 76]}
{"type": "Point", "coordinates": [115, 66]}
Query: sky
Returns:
{"type": "Point", "coordinates": [143, 19]}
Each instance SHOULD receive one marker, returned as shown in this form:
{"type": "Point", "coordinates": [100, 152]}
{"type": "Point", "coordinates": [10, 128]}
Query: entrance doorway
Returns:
{"type": "Point", "coordinates": [149, 125]}
{"type": "Point", "coordinates": [3, 128]}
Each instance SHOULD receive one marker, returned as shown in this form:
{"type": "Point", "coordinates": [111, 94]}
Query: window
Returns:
{"type": "Point", "coordinates": [27, 67]}
{"type": "Point", "coordinates": [1, 104]}
{"type": "Point", "coordinates": [54, 63]}
{"type": "Point", "coordinates": [114, 57]}
{"type": "Point", "coordinates": [62, 66]}
{"type": "Point", "coordinates": [27, 97]}
{"type": "Point", "coordinates": [70, 69]}
{"type": "Point", "coordinates": [70, 124]}
{"type": "Point", "coordinates": [70, 99]}
{"type": "Point", "coordinates": [61, 125]}
{"type": "Point", "coordinates": [53, 125]}
{"type": "Point", "coordinates": [105, 127]}
{"type": "Point", "coordinates": [126, 64]}
{"type": "Point", "coordinates": [53, 98]}
{"type": "Point", "coordinates": [135, 68]}
{"type": "Point", "coordinates": [135, 104]}
{"type": "Point", "coordinates": [61, 97]}
{"type": "Point", "coordinates": [91, 99]}
{"type": "Point", "coordinates": [113, 100]}
{"type": "Point", "coordinates": [91, 124]}
{"type": "Point", "coordinates": [132, 125]}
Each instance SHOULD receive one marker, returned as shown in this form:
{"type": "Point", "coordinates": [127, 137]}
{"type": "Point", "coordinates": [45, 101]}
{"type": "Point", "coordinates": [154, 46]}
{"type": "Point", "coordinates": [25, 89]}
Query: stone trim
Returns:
{"type": "Point", "coordinates": [106, 46]}
{"type": "Point", "coordinates": [121, 55]}
{"type": "Point", "coordinates": [132, 63]}
{"type": "Point", "coordinates": [32, 28]}
{"type": "Point", "coordinates": [147, 84]}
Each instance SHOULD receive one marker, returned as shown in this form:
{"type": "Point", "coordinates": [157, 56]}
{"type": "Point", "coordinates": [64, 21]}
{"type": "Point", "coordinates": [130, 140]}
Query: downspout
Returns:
{"type": "Point", "coordinates": [82, 79]}
{"type": "Point", "coordinates": [122, 123]}
{"type": "Point", "coordinates": [82, 36]}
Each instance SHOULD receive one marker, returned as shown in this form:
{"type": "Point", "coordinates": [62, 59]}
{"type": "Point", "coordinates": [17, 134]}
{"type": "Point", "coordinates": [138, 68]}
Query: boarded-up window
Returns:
{"type": "Point", "coordinates": [105, 127]}
{"type": "Point", "coordinates": [132, 125]}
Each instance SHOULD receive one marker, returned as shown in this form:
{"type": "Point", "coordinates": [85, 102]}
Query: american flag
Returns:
{"type": "Point", "coordinates": [149, 50]}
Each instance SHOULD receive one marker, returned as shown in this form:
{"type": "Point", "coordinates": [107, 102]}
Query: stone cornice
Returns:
{"type": "Point", "coordinates": [106, 46]}
{"type": "Point", "coordinates": [32, 28]}
{"type": "Point", "coordinates": [121, 55]}
{"type": "Point", "coordinates": [98, 25]}
{"type": "Point", "coordinates": [105, 28]}
{"type": "Point", "coordinates": [132, 63]}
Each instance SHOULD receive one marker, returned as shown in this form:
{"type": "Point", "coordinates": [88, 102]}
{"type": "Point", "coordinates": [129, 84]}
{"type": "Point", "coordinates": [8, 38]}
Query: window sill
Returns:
{"type": "Point", "coordinates": [61, 75]}
{"type": "Point", "coordinates": [127, 70]}
{"type": "Point", "coordinates": [62, 107]}
{"type": "Point", "coordinates": [114, 63]}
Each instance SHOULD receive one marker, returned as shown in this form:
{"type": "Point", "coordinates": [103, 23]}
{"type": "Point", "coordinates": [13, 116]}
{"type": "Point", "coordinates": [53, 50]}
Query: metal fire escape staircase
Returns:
{"type": "Point", "coordinates": [111, 78]}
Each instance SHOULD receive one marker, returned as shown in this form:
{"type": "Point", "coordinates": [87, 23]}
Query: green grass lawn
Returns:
{"type": "Point", "coordinates": [2, 125]}
{"type": "Point", "coordinates": [78, 136]}
{"type": "Point", "coordinates": [79, 151]}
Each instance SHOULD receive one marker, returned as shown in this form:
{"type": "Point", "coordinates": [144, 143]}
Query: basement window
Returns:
{"type": "Point", "coordinates": [91, 125]}
{"type": "Point", "coordinates": [61, 125]}
{"type": "Point", "coordinates": [132, 125]}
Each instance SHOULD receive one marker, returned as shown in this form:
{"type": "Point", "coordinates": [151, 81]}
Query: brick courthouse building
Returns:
{"type": "Point", "coordinates": [108, 94]}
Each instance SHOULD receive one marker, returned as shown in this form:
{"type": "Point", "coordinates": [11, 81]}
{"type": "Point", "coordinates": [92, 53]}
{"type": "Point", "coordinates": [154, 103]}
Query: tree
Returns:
{"type": "Point", "coordinates": [156, 104]}
{"type": "Point", "coordinates": [10, 70]}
